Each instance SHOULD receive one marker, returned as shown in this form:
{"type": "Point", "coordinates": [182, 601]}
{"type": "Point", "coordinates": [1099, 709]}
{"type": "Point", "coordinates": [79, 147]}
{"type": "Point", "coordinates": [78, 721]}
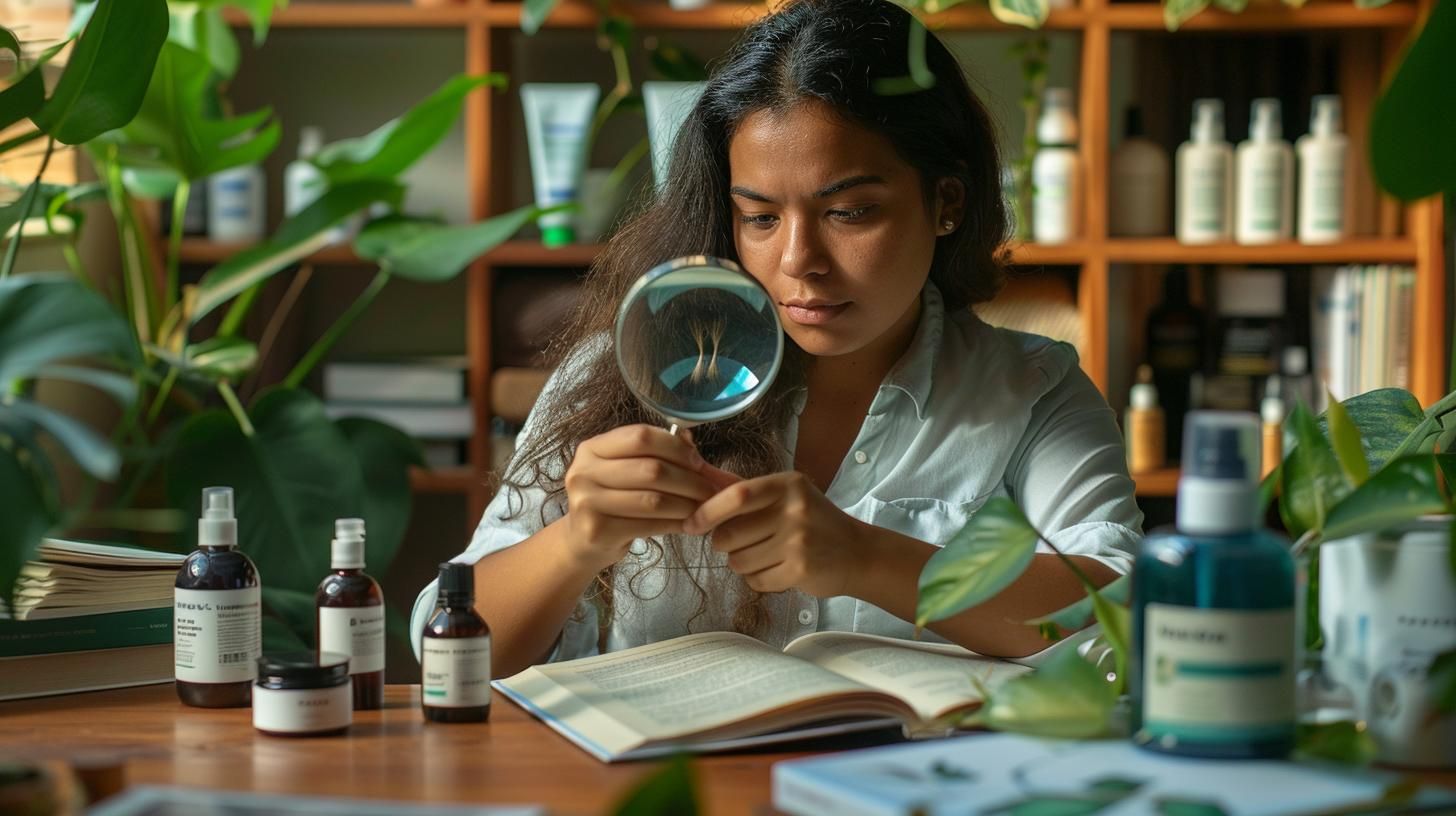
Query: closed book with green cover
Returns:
{"type": "Point", "coordinates": [115, 630]}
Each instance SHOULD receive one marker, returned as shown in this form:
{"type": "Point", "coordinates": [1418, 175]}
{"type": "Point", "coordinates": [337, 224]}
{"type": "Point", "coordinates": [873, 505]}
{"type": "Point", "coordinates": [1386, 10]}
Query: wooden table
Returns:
{"type": "Point", "coordinates": [387, 754]}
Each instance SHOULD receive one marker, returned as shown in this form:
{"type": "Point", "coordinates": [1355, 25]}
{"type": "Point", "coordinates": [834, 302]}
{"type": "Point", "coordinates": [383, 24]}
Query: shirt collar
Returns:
{"type": "Point", "coordinates": [913, 374]}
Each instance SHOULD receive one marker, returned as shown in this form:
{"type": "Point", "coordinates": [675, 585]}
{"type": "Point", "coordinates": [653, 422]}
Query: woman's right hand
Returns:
{"type": "Point", "coordinates": [629, 483]}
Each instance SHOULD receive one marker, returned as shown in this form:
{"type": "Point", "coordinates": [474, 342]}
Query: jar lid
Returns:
{"type": "Point", "coordinates": [303, 669]}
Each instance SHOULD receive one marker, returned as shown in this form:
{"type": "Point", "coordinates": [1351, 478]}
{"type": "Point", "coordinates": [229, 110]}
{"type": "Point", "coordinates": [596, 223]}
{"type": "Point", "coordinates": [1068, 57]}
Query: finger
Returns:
{"type": "Point", "coordinates": [635, 441]}
{"type": "Point", "coordinates": [646, 473]}
{"type": "Point", "coordinates": [776, 578]}
{"type": "Point", "coordinates": [745, 531]}
{"type": "Point", "coordinates": [627, 530]}
{"type": "Point", "coordinates": [756, 558]}
{"type": "Point", "coordinates": [719, 477]}
{"type": "Point", "coordinates": [643, 504]}
{"type": "Point", "coordinates": [733, 501]}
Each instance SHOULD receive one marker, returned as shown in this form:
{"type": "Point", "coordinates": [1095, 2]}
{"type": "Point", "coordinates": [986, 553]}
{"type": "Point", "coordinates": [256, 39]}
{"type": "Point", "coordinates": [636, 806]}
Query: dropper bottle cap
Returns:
{"type": "Point", "coordinates": [1265, 124]}
{"type": "Point", "coordinates": [347, 549]}
{"type": "Point", "coordinates": [1218, 493]}
{"type": "Point", "coordinates": [1207, 121]}
{"type": "Point", "coordinates": [457, 584]}
{"type": "Point", "coordinates": [217, 527]}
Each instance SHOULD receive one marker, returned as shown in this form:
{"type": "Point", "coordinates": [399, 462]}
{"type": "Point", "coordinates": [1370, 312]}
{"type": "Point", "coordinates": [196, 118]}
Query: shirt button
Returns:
{"type": "Point", "coordinates": [806, 617]}
{"type": "Point", "coordinates": [861, 457]}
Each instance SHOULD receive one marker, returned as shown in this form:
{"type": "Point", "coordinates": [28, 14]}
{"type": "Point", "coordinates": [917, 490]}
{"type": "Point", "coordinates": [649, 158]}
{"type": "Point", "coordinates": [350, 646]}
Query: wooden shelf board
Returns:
{"type": "Point", "coordinates": [363, 15]}
{"type": "Point", "coordinates": [733, 15]}
{"type": "Point", "coordinates": [1072, 254]}
{"type": "Point", "coordinates": [1265, 16]}
{"type": "Point", "coordinates": [1157, 483]}
{"type": "Point", "coordinates": [203, 251]}
{"type": "Point", "coordinates": [1169, 250]}
{"type": "Point", "coordinates": [446, 480]}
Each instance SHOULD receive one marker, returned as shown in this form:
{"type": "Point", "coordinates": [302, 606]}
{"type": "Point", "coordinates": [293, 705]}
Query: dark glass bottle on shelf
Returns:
{"type": "Point", "coordinates": [455, 653]}
{"type": "Point", "coordinates": [1176, 351]}
{"type": "Point", "coordinates": [350, 611]}
{"type": "Point", "coordinates": [217, 623]}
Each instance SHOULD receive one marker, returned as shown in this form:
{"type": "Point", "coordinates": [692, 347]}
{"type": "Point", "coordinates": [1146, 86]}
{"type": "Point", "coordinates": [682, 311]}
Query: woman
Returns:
{"type": "Point", "coordinates": [873, 220]}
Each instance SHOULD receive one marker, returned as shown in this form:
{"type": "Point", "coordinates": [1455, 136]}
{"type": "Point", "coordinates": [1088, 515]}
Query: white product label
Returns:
{"type": "Point", "coordinates": [303, 711]}
{"type": "Point", "coordinates": [1207, 196]}
{"type": "Point", "coordinates": [1218, 674]}
{"type": "Point", "coordinates": [456, 671]}
{"type": "Point", "coordinates": [217, 634]}
{"type": "Point", "coordinates": [1265, 197]}
{"type": "Point", "coordinates": [1327, 196]}
{"type": "Point", "coordinates": [356, 631]}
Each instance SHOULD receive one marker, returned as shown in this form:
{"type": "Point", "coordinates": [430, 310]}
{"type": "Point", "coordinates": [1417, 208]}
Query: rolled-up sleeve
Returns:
{"type": "Point", "coordinates": [1069, 473]}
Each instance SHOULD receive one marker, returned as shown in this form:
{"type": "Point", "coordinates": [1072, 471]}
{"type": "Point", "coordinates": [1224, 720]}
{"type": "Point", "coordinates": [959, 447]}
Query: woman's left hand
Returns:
{"type": "Point", "coordinates": [781, 533]}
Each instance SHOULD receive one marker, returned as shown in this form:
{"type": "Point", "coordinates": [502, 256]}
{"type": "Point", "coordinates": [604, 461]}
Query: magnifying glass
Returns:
{"type": "Point", "coordinates": [698, 340]}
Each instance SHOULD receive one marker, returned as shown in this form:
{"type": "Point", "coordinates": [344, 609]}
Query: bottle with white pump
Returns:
{"type": "Point", "coordinates": [1205, 179]}
{"type": "Point", "coordinates": [1322, 155]}
{"type": "Point", "coordinates": [1265, 179]}
{"type": "Point", "coordinates": [1056, 172]}
{"type": "Point", "coordinates": [217, 612]}
{"type": "Point", "coordinates": [351, 614]}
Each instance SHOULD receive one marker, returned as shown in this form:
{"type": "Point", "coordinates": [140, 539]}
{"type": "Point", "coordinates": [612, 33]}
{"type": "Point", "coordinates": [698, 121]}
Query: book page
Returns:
{"type": "Point", "coordinates": [673, 688]}
{"type": "Point", "coordinates": [934, 678]}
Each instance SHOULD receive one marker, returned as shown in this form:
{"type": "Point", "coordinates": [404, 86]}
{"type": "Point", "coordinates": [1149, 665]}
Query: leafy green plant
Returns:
{"type": "Point", "coordinates": [143, 98]}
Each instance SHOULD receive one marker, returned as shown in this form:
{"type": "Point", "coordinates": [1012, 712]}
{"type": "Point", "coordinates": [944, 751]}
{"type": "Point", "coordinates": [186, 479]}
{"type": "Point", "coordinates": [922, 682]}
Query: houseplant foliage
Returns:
{"type": "Point", "coordinates": [152, 124]}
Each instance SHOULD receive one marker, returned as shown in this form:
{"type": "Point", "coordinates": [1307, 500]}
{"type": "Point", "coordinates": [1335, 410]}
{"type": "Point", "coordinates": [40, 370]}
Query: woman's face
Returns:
{"type": "Point", "coordinates": [835, 226]}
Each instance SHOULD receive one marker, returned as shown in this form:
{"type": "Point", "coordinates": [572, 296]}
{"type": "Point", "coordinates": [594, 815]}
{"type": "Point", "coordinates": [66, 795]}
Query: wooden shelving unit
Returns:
{"type": "Point", "coordinates": [1407, 235]}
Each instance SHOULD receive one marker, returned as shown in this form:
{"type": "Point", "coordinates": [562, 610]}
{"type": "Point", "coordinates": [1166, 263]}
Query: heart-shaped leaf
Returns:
{"type": "Point", "coordinates": [1178, 12]}
{"type": "Point", "coordinates": [393, 147]}
{"type": "Point", "coordinates": [1409, 136]}
{"type": "Point", "coordinates": [1027, 13]}
{"type": "Point", "coordinates": [214, 359]}
{"type": "Point", "coordinates": [23, 96]}
{"type": "Point", "coordinates": [986, 556]}
{"type": "Point", "coordinates": [1349, 447]}
{"type": "Point", "coordinates": [30, 508]}
{"type": "Point", "coordinates": [1067, 697]}
{"type": "Point", "coordinates": [534, 14]}
{"type": "Point", "coordinates": [1384, 418]}
{"type": "Point", "coordinates": [430, 251]}
{"type": "Point", "coordinates": [93, 453]}
{"type": "Point", "coordinates": [385, 454]}
{"type": "Point", "coordinates": [669, 790]}
{"type": "Point", "coordinates": [46, 318]}
{"type": "Point", "coordinates": [1404, 490]}
{"type": "Point", "coordinates": [1313, 481]}
{"type": "Point", "coordinates": [1078, 614]}
{"type": "Point", "coordinates": [106, 76]}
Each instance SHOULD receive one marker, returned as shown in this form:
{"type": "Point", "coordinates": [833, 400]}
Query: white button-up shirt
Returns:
{"type": "Point", "coordinates": [970, 412]}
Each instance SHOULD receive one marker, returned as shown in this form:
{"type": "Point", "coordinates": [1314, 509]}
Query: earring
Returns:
{"type": "Point", "coordinates": [948, 226]}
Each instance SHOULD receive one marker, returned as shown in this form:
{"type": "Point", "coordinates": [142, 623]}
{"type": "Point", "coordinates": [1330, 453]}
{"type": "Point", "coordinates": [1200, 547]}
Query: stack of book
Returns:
{"type": "Point", "coordinates": [1361, 328]}
{"type": "Point", "coordinates": [425, 397]}
{"type": "Point", "coordinates": [88, 616]}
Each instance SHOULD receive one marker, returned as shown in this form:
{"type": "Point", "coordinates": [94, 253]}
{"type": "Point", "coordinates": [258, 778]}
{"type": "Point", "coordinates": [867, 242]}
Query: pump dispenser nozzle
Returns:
{"type": "Point", "coordinates": [1265, 124]}
{"type": "Point", "coordinates": [217, 527]}
{"type": "Point", "coordinates": [1207, 121]}
{"type": "Point", "coordinates": [1324, 117]}
{"type": "Point", "coordinates": [1219, 490]}
{"type": "Point", "coordinates": [347, 551]}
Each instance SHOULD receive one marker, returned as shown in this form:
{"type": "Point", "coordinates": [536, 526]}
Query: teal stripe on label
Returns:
{"type": "Point", "coordinates": [1273, 669]}
{"type": "Point", "coordinates": [434, 692]}
{"type": "Point", "coordinates": [1218, 733]}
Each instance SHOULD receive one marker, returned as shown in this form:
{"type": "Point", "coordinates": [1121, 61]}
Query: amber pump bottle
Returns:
{"type": "Point", "coordinates": [351, 614]}
{"type": "Point", "coordinates": [455, 653]}
{"type": "Point", "coordinates": [217, 623]}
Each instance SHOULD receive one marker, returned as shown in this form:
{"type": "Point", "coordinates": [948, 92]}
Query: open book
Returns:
{"type": "Point", "coordinates": [69, 578]}
{"type": "Point", "coordinates": [721, 690]}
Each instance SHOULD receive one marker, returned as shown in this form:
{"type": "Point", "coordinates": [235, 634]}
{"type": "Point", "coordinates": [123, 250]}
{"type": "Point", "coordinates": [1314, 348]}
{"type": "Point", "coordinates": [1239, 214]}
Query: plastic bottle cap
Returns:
{"type": "Point", "coordinates": [558, 236]}
{"type": "Point", "coordinates": [1296, 361]}
{"type": "Point", "coordinates": [347, 550]}
{"type": "Point", "coordinates": [1058, 123]}
{"type": "Point", "coordinates": [218, 527]}
{"type": "Point", "coordinates": [1324, 117]}
{"type": "Point", "coordinates": [310, 141]}
{"type": "Point", "coordinates": [1264, 121]}
{"type": "Point", "coordinates": [1271, 411]}
{"type": "Point", "coordinates": [1207, 121]}
{"type": "Point", "coordinates": [1144, 397]}
{"type": "Point", "coordinates": [457, 582]}
{"type": "Point", "coordinates": [1218, 493]}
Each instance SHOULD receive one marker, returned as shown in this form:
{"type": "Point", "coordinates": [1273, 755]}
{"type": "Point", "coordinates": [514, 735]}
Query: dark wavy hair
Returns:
{"type": "Point", "coordinates": [833, 51]}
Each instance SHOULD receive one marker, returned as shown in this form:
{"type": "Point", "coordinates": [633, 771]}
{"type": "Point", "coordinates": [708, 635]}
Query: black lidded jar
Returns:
{"type": "Point", "coordinates": [455, 653]}
{"type": "Point", "coordinates": [303, 694]}
{"type": "Point", "coordinates": [350, 613]}
{"type": "Point", "coordinates": [217, 625]}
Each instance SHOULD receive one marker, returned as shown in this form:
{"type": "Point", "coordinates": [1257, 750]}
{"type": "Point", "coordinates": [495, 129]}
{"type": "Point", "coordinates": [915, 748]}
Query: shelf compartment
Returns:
{"type": "Point", "coordinates": [363, 15]}
{"type": "Point", "coordinates": [1170, 251]}
{"type": "Point", "coordinates": [1266, 16]}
